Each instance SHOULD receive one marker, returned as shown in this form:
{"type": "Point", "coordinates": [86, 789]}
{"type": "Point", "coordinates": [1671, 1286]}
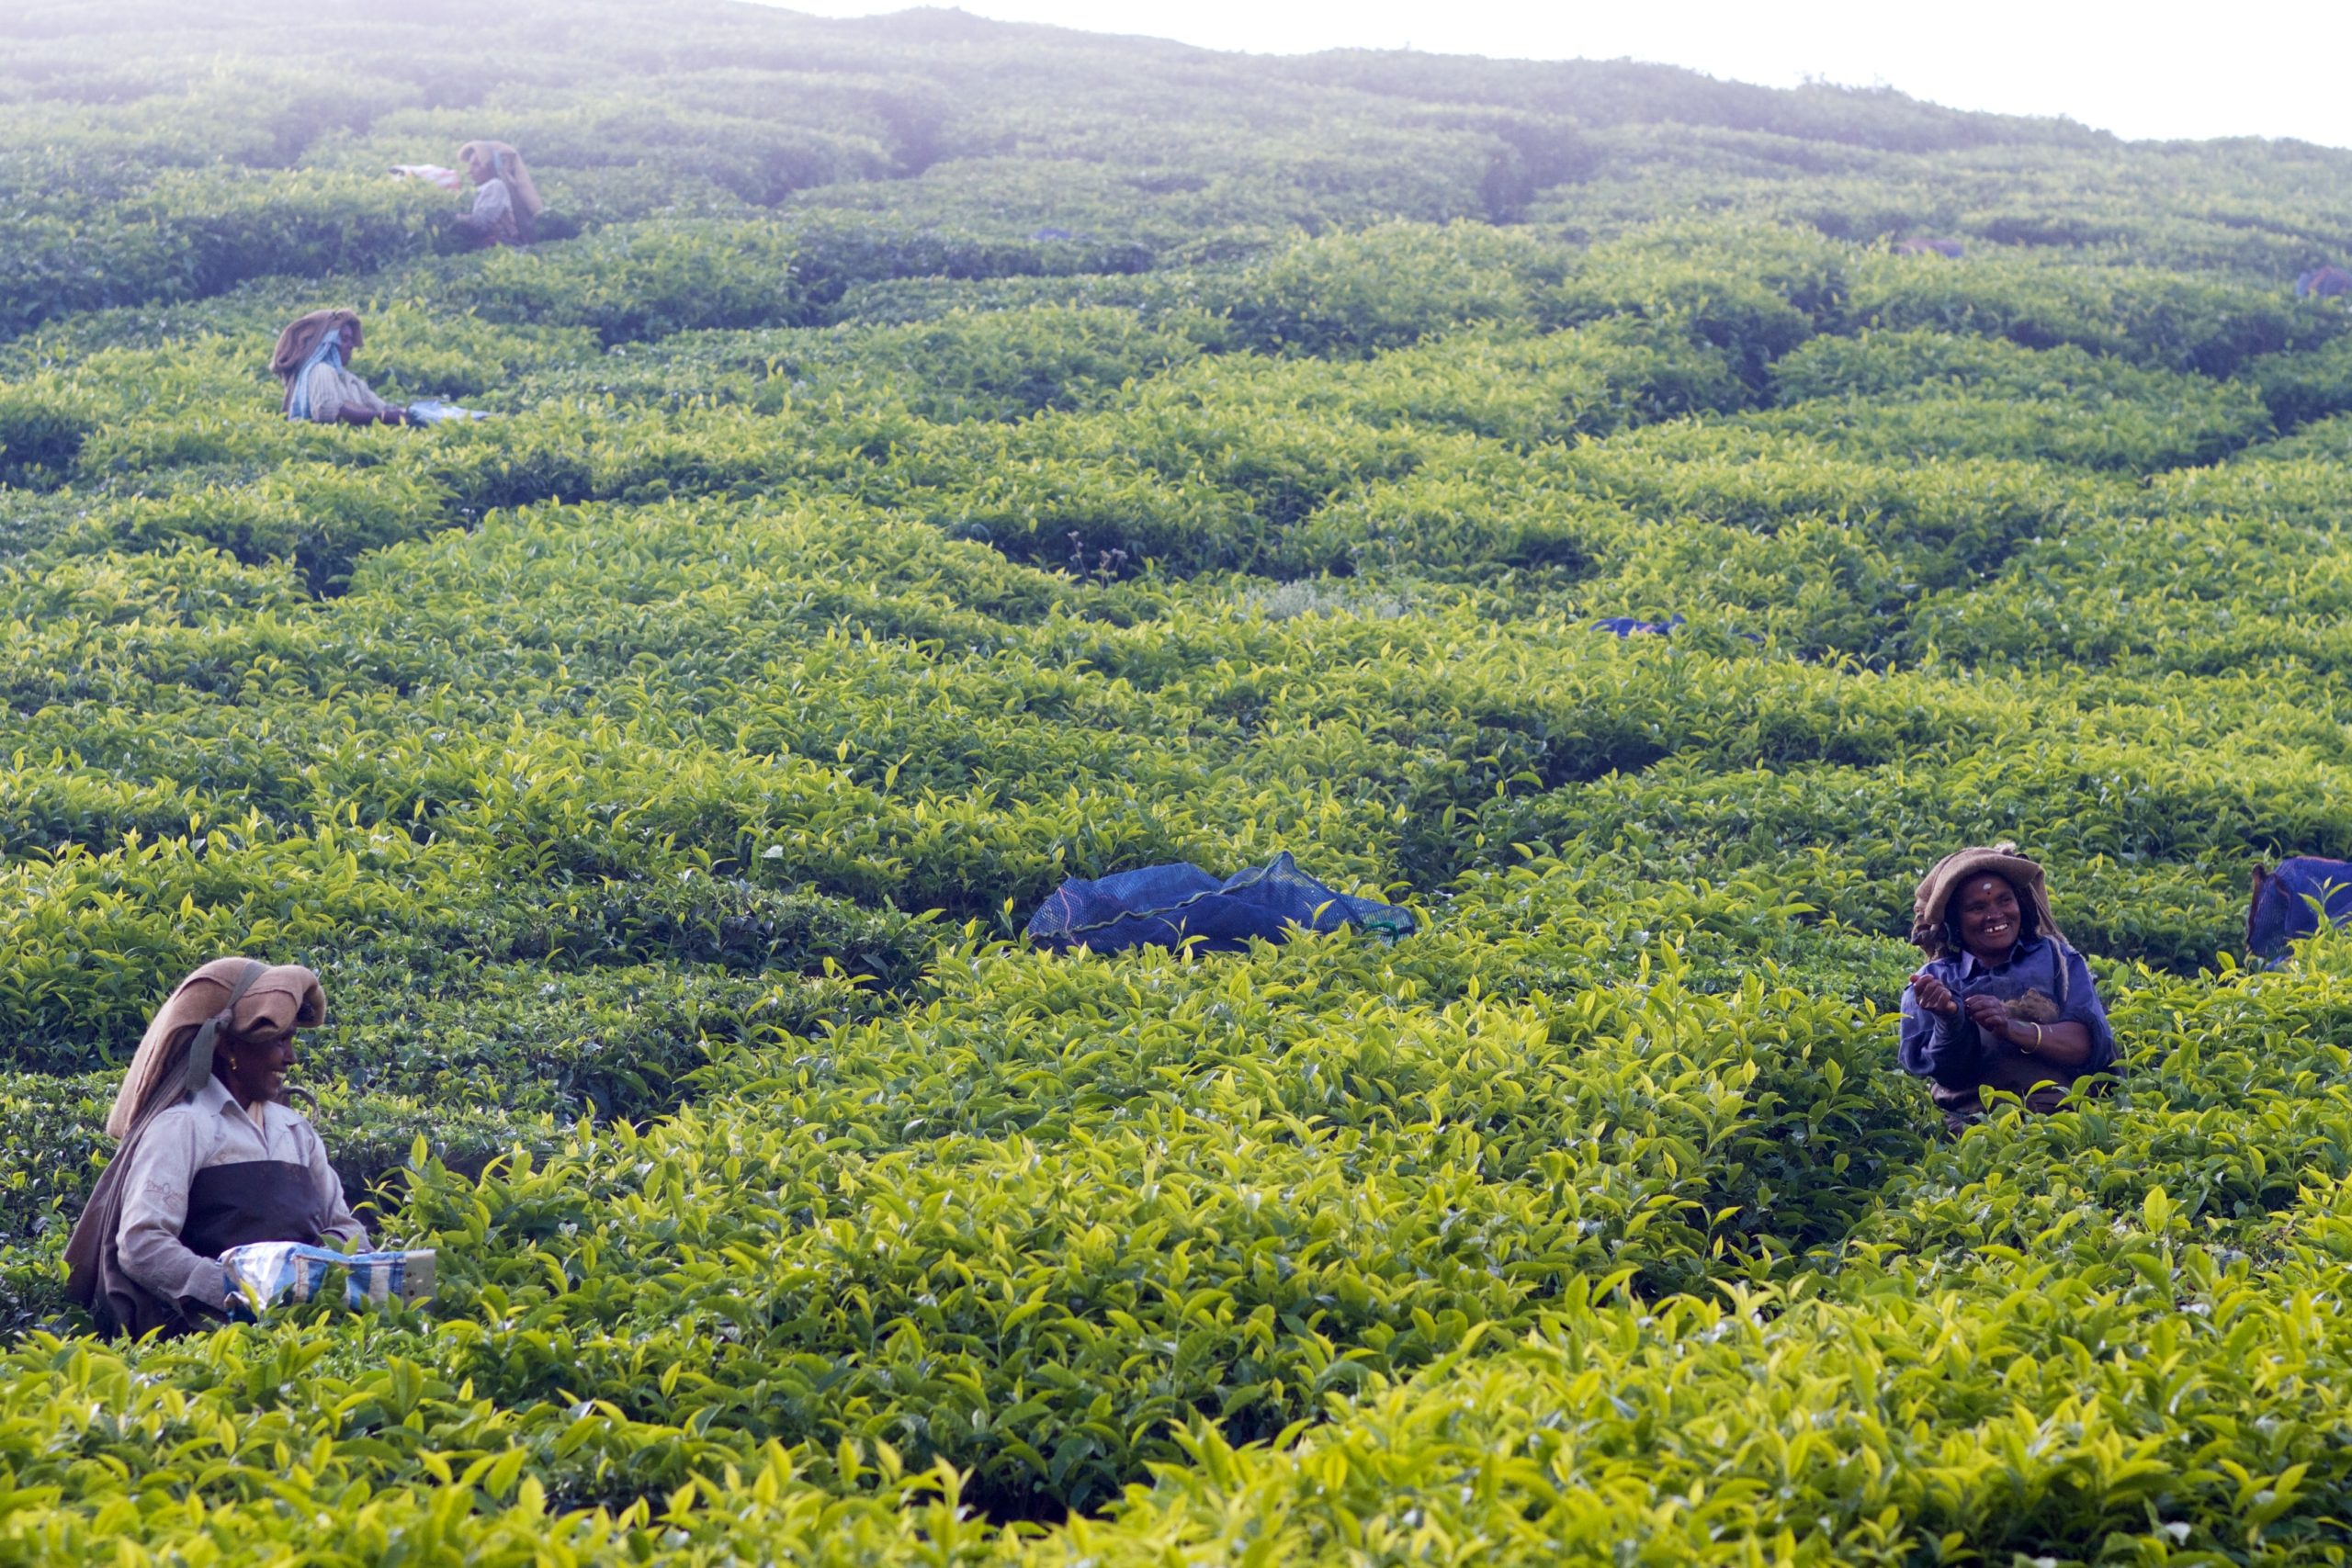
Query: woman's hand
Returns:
{"type": "Point", "coordinates": [1933, 994]}
{"type": "Point", "coordinates": [1989, 1014]}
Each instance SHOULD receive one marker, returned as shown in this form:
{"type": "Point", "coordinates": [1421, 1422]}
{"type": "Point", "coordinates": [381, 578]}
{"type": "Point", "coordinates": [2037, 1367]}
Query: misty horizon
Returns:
{"type": "Point", "coordinates": [2151, 85]}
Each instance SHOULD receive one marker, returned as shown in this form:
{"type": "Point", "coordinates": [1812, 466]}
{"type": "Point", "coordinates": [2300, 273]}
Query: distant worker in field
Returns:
{"type": "Point", "coordinates": [506, 204]}
{"type": "Point", "coordinates": [210, 1158]}
{"type": "Point", "coordinates": [312, 358]}
{"type": "Point", "coordinates": [2323, 283]}
{"type": "Point", "coordinates": [2294, 901]}
{"type": "Point", "coordinates": [2003, 1002]}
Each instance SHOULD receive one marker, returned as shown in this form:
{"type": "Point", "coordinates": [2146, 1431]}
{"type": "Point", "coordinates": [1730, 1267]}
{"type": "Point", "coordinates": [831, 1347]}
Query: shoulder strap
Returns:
{"type": "Point", "coordinates": [199, 1050]}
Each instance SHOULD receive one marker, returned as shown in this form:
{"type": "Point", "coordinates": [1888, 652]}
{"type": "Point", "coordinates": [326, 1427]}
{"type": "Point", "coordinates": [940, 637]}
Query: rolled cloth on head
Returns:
{"type": "Point", "coordinates": [302, 336]}
{"type": "Point", "coordinates": [1931, 905]}
{"type": "Point", "coordinates": [507, 164]}
{"type": "Point", "coordinates": [273, 999]}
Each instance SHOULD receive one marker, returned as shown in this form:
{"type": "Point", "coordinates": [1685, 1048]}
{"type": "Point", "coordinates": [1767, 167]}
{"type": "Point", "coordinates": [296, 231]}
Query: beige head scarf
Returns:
{"type": "Point", "coordinates": [161, 1073]}
{"type": "Point", "coordinates": [507, 164]}
{"type": "Point", "coordinates": [1933, 900]}
{"type": "Point", "coordinates": [302, 335]}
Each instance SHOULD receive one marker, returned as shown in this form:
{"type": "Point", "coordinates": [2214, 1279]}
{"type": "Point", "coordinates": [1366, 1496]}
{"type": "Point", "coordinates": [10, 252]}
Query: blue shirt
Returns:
{"type": "Point", "coordinates": [2040, 982]}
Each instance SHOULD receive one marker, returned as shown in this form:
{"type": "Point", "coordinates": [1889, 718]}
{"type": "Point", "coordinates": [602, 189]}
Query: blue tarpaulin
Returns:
{"type": "Point", "coordinates": [1164, 906]}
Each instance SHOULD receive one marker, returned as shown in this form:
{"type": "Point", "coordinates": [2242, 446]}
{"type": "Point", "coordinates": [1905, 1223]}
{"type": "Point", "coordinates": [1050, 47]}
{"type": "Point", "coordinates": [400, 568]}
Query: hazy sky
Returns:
{"type": "Point", "coordinates": [2239, 70]}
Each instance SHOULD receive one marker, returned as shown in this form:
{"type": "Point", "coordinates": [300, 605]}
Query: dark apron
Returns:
{"type": "Point", "coordinates": [253, 1200]}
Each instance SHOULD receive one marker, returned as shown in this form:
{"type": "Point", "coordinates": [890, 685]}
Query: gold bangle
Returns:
{"type": "Point", "coordinates": [2036, 1047]}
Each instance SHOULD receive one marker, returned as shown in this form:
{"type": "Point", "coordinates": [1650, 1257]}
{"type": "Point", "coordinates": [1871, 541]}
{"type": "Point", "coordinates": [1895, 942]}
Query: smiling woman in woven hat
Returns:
{"type": "Point", "coordinates": [211, 1158]}
{"type": "Point", "coordinates": [2003, 1002]}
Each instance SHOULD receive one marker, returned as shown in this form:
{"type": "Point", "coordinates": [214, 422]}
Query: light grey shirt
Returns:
{"type": "Point", "coordinates": [209, 1128]}
{"type": "Point", "coordinates": [495, 212]}
{"type": "Point", "coordinates": [332, 389]}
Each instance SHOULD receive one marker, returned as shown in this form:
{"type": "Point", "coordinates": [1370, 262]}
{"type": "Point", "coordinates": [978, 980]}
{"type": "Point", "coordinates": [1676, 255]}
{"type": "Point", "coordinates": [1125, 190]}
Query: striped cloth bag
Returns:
{"type": "Point", "coordinates": [268, 1271]}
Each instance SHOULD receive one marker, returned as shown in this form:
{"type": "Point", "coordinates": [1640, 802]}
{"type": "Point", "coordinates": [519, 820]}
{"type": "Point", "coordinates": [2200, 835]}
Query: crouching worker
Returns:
{"type": "Point", "coordinates": [506, 204]}
{"type": "Point", "coordinates": [312, 358]}
{"type": "Point", "coordinates": [2003, 1003]}
{"type": "Point", "coordinates": [211, 1158]}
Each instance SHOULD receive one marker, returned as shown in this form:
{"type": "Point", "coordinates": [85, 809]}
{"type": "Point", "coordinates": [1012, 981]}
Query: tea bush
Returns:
{"type": "Point", "coordinates": [42, 426]}
{"type": "Point", "coordinates": [933, 459]}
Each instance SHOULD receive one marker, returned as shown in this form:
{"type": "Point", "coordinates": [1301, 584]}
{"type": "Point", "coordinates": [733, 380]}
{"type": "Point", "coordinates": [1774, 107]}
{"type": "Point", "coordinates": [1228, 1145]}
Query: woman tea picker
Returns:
{"type": "Point", "coordinates": [506, 204]}
{"type": "Point", "coordinates": [2003, 1002]}
{"type": "Point", "coordinates": [211, 1158]}
{"type": "Point", "coordinates": [313, 357]}
{"type": "Point", "coordinates": [310, 358]}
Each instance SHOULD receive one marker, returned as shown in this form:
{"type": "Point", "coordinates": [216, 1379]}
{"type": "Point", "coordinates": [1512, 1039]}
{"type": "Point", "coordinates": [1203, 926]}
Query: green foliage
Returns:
{"type": "Point", "coordinates": [634, 281]}
{"type": "Point", "coordinates": [1383, 288]}
{"type": "Point", "coordinates": [936, 459]}
{"type": "Point", "coordinates": [43, 422]}
{"type": "Point", "coordinates": [196, 233]}
{"type": "Point", "coordinates": [320, 517]}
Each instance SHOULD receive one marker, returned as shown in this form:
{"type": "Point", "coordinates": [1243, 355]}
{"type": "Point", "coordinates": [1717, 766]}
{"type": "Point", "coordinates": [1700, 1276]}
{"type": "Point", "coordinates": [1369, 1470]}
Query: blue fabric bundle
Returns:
{"type": "Point", "coordinates": [1626, 626]}
{"type": "Point", "coordinates": [2289, 903]}
{"type": "Point", "coordinates": [1164, 906]}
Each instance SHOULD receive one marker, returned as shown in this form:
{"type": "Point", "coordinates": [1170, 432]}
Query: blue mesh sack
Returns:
{"type": "Point", "coordinates": [1161, 905]}
{"type": "Point", "coordinates": [2283, 903]}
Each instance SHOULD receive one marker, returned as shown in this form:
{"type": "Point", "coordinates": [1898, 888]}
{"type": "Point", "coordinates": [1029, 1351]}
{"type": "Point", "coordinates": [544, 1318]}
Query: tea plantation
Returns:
{"type": "Point", "coordinates": [933, 459]}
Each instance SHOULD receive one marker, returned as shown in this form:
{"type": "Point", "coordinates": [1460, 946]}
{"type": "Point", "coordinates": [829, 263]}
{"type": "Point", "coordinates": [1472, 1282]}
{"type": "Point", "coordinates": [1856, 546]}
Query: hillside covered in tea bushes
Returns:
{"type": "Point", "coordinates": [933, 459]}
